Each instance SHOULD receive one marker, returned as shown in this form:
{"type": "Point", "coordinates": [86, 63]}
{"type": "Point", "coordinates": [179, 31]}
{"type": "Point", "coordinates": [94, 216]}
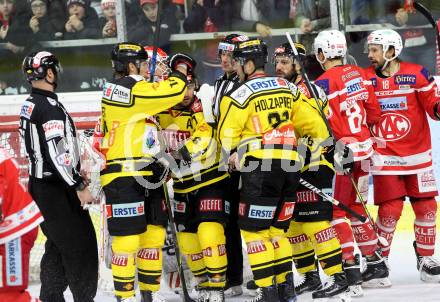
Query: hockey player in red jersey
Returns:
{"type": "Point", "coordinates": [402, 162]}
{"type": "Point", "coordinates": [312, 215]}
{"type": "Point", "coordinates": [19, 220]}
{"type": "Point", "coordinates": [352, 107]}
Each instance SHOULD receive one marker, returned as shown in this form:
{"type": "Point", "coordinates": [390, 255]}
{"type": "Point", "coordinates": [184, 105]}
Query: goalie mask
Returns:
{"type": "Point", "coordinates": [162, 70]}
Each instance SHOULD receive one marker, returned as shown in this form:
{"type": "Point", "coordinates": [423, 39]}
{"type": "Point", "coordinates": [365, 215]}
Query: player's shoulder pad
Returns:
{"type": "Point", "coordinates": [293, 88]}
{"type": "Point", "coordinates": [120, 90]}
{"type": "Point", "coordinates": [27, 108]}
{"type": "Point", "coordinates": [324, 84]}
{"type": "Point", "coordinates": [266, 83]}
{"type": "Point", "coordinates": [240, 94]}
{"type": "Point", "coordinates": [319, 92]}
{"type": "Point", "coordinates": [410, 73]}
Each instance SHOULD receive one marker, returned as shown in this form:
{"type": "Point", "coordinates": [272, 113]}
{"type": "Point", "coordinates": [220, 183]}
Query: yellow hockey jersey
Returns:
{"type": "Point", "coordinates": [316, 146]}
{"type": "Point", "coordinates": [187, 129]}
{"type": "Point", "coordinates": [130, 138]}
{"type": "Point", "coordinates": [263, 118]}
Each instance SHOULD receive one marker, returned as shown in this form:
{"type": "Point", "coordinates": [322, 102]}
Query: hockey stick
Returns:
{"type": "Point", "coordinates": [307, 82]}
{"type": "Point", "coordinates": [332, 200]}
{"type": "Point", "coordinates": [425, 12]}
{"type": "Point", "coordinates": [163, 157]}
{"type": "Point", "coordinates": [156, 41]}
{"type": "Point", "coordinates": [186, 297]}
{"type": "Point", "coordinates": [383, 241]}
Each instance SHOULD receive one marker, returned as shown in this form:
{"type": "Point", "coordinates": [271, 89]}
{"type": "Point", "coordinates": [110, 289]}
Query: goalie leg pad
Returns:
{"type": "Point", "coordinates": [302, 249]}
{"type": "Point", "coordinates": [282, 254]}
{"type": "Point", "coordinates": [190, 247]}
{"type": "Point", "coordinates": [213, 243]}
{"type": "Point", "coordinates": [425, 210]}
{"type": "Point", "coordinates": [261, 256]}
{"type": "Point", "coordinates": [327, 247]}
{"type": "Point", "coordinates": [388, 215]}
{"type": "Point", "coordinates": [149, 257]}
{"type": "Point", "coordinates": [123, 264]}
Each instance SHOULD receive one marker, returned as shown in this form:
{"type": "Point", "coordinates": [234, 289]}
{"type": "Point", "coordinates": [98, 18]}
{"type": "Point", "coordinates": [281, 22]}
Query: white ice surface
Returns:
{"type": "Point", "coordinates": [407, 286]}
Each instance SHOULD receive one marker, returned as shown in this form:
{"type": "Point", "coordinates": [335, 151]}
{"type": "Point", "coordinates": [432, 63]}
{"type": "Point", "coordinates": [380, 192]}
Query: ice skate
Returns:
{"type": "Point", "coordinates": [130, 299]}
{"type": "Point", "coordinates": [310, 282]}
{"type": "Point", "coordinates": [251, 288]}
{"type": "Point", "coordinates": [286, 290]}
{"type": "Point", "coordinates": [149, 296]}
{"type": "Point", "coordinates": [216, 295]}
{"type": "Point", "coordinates": [234, 291]}
{"type": "Point", "coordinates": [202, 294]}
{"type": "Point", "coordinates": [266, 294]}
{"type": "Point", "coordinates": [335, 289]}
{"type": "Point", "coordinates": [354, 277]}
{"type": "Point", "coordinates": [376, 274]}
{"type": "Point", "coordinates": [429, 268]}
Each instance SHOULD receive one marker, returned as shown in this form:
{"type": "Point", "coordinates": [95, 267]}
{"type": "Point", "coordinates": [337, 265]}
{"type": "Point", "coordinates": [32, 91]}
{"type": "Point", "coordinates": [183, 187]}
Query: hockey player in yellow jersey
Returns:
{"type": "Point", "coordinates": [257, 120]}
{"type": "Point", "coordinates": [200, 209]}
{"type": "Point", "coordinates": [311, 219]}
{"type": "Point", "coordinates": [135, 222]}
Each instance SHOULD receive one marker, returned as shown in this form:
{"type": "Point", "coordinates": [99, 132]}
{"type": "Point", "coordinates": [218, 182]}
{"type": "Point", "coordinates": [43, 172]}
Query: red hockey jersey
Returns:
{"type": "Point", "coordinates": [20, 212]}
{"type": "Point", "coordinates": [352, 105]}
{"type": "Point", "coordinates": [402, 137]}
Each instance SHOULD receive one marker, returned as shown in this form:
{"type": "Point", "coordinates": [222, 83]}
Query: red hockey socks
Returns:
{"type": "Point", "coordinates": [388, 216]}
{"type": "Point", "coordinates": [425, 210]}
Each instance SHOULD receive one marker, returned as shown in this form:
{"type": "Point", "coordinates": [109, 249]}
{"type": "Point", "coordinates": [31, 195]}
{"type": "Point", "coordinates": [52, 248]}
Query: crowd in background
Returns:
{"type": "Point", "coordinates": [24, 23]}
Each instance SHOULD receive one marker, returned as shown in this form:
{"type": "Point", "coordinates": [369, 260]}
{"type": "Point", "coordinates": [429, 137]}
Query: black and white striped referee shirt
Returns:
{"type": "Point", "coordinates": [50, 138]}
{"type": "Point", "coordinates": [222, 86]}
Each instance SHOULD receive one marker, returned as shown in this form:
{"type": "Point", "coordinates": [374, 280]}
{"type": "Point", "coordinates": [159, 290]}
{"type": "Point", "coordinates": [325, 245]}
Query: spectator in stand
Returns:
{"type": "Point", "coordinates": [82, 22]}
{"type": "Point", "coordinates": [11, 31]}
{"type": "Point", "coordinates": [14, 38]}
{"type": "Point", "coordinates": [207, 16]}
{"type": "Point", "coordinates": [58, 16]}
{"type": "Point", "coordinates": [107, 22]}
{"type": "Point", "coordinates": [40, 22]}
{"type": "Point", "coordinates": [143, 31]}
{"type": "Point", "coordinates": [419, 44]}
{"type": "Point", "coordinates": [311, 16]}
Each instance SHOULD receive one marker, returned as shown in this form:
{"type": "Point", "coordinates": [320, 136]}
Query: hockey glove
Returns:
{"type": "Point", "coordinates": [343, 160]}
{"type": "Point", "coordinates": [181, 58]}
{"type": "Point", "coordinates": [436, 110]}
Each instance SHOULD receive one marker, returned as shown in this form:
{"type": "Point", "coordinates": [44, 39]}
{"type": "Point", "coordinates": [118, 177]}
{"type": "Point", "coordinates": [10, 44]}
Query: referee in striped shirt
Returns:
{"type": "Point", "coordinates": [227, 83]}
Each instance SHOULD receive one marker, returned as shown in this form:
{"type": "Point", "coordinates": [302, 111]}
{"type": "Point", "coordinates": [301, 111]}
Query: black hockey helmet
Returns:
{"type": "Point", "coordinates": [36, 64]}
{"type": "Point", "coordinates": [229, 42]}
{"type": "Point", "coordinates": [253, 49]}
{"type": "Point", "coordinates": [286, 50]}
{"type": "Point", "coordinates": [126, 52]}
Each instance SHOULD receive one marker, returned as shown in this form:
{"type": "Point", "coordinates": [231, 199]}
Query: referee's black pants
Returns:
{"type": "Point", "coordinates": [71, 254]}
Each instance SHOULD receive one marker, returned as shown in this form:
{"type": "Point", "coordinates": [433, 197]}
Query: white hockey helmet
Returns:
{"type": "Point", "coordinates": [387, 38]}
{"type": "Point", "coordinates": [332, 43]}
